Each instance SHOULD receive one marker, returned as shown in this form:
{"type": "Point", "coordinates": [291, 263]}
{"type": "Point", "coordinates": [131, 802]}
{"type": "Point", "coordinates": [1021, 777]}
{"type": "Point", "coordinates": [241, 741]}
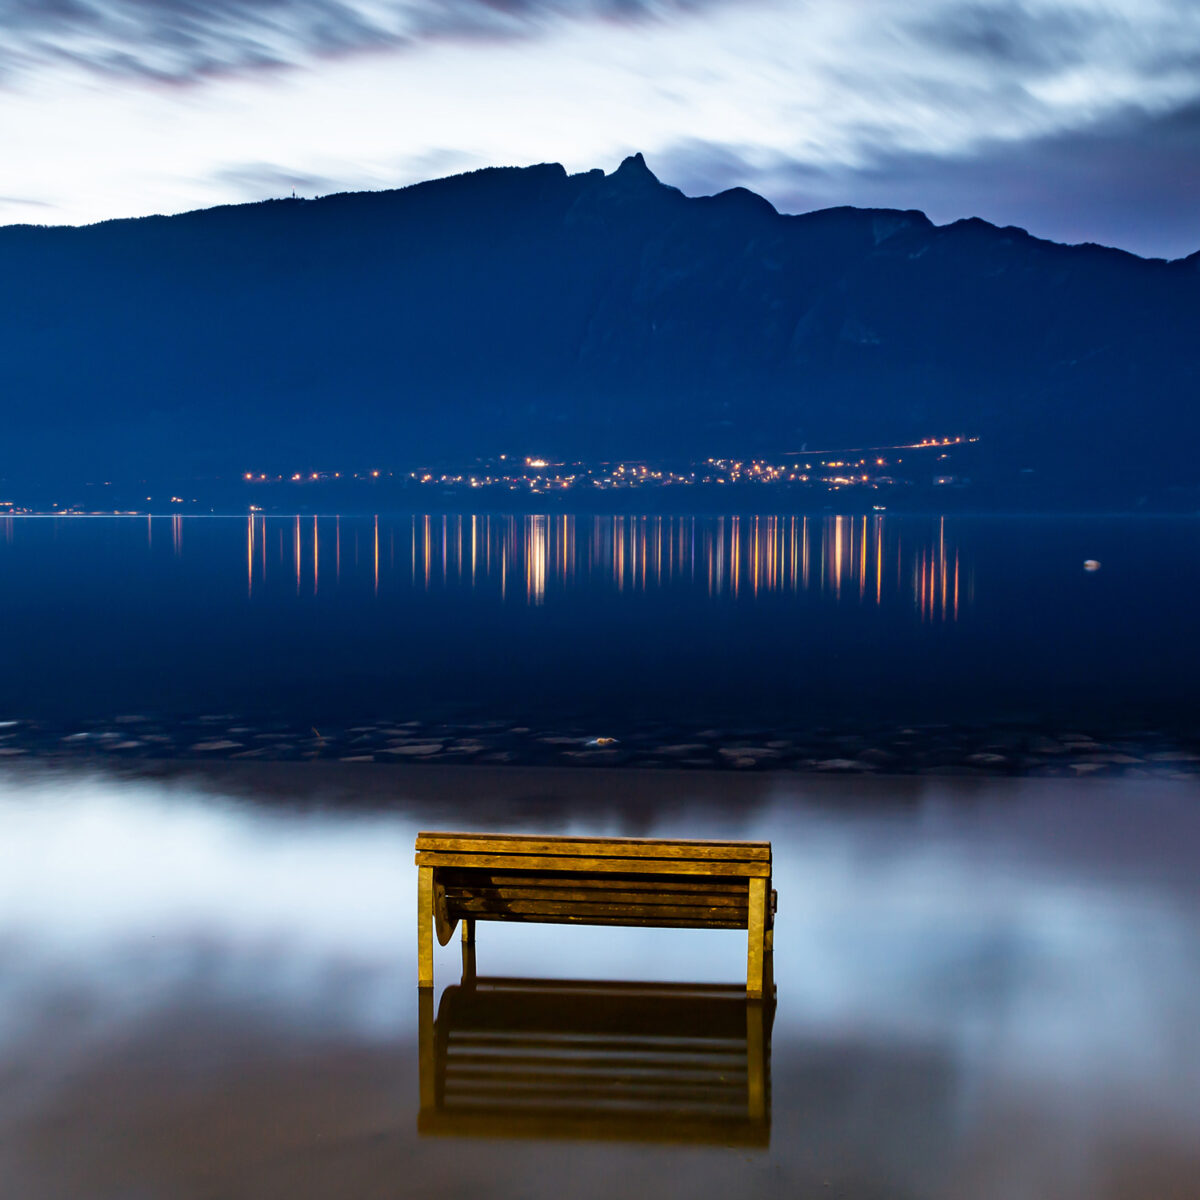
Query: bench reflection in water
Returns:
{"type": "Point", "coordinates": [539, 1058]}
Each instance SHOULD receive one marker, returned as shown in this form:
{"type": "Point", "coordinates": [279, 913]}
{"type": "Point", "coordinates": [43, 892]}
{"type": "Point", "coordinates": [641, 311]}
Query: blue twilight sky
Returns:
{"type": "Point", "coordinates": [1077, 119]}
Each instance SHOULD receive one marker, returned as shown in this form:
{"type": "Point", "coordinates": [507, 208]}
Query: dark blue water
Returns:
{"type": "Point", "coordinates": [689, 620]}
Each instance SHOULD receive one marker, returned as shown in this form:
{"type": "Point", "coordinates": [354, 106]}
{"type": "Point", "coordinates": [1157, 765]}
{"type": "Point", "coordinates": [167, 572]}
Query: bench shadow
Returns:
{"type": "Point", "coordinates": [602, 1061]}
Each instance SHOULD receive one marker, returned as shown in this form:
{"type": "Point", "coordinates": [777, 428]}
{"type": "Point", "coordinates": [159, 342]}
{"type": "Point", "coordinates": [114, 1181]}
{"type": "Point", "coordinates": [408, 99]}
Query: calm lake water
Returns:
{"type": "Point", "coordinates": [986, 990]}
{"type": "Point", "coordinates": [681, 619]}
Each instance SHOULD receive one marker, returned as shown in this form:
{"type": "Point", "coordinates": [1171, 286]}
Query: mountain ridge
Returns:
{"type": "Point", "coordinates": [638, 158]}
{"type": "Point", "coordinates": [605, 314]}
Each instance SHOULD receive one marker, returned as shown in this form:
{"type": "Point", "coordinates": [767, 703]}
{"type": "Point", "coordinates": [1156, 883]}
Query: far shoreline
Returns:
{"type": "Point", "coordinates": [888, 749]}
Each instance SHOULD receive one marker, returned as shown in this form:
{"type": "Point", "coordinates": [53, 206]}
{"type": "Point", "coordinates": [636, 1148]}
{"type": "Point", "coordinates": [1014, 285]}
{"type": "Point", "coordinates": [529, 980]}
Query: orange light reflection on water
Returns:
{"type": "Point", "coordinates": [861, 560]}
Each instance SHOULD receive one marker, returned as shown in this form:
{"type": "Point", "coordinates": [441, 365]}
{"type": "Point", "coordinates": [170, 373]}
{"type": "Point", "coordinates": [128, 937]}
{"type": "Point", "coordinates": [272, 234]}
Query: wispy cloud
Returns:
{"type": "Point", "coordinates": [1074, 118]}
{"type": "Point", "coordinates": [25, 202]}
{"type": "Point", "coordinates": [189, 41]}
{"type": "Point", "coordinates": [1078, 120]}
{"type": "Point", "coordinates": [1130, 180]}
{"type": "Point", "coordinates": [1021, 36]}
{"type": "Point", "coordinates": [260, 180]}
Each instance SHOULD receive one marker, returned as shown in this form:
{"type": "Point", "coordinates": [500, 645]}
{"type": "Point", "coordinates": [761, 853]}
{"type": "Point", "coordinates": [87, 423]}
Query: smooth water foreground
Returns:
{"type": "Point", "coordinates": [985, 989]}
{"type": "Point", "coordinates": [692, 622]}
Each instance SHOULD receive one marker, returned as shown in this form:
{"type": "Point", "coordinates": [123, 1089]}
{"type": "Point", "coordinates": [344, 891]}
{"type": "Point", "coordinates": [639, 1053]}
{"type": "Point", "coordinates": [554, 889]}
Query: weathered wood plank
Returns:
{"type": "Point", "coordinates": [643, 866]}
{"type": "Point", "coordinates": [497, 986]}
{"type": "Point", "coordinates": [485, 910]}
{"type": "Point", "coordinates": [502, 895]}
{"type": "Point", "coordinates": [585, 919]}
{"type": "Point", "coordinates": [512, 843]}
{"type": "Point", "coordinates": [425, 927]}
{"type": "Point", "coordinates": [468, 877]}
{"type": "Point", "coordinates": [583, 837]}
{"type": "Point", "coordinates": [756, 938]}
{"type": "Point", "coordinates": [443, 922]}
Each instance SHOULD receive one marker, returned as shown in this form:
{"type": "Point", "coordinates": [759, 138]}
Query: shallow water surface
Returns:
{"type": "Point", "coordinates": [983, 989]}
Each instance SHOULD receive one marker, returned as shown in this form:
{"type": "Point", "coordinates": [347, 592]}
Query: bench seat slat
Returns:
{"type": "Point", "coordinates": [713, 921]}
{"type": "Point", "coordinates": [661, 866]}
{"type": "Point", "coordinates": [551, 990]}
{"type": "Point", "coordinates": [654, 884]}
{"type": "Point", "coordinates": [486, 910]}
{"type": "Point", "coordinates": [592, 847]}
{"type": "Point", "coordinates": [498, 897]}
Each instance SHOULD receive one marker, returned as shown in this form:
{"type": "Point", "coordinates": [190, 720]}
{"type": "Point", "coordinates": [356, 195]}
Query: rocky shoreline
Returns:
{"type": "Point", "coordinates": [929, 749]}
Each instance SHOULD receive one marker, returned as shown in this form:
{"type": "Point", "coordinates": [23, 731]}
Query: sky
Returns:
{"type": "Point", "coordinates": [1078, 120]}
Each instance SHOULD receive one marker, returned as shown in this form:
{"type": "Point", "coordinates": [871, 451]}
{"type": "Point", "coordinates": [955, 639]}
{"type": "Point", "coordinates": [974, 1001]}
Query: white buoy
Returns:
{"type": "Point", "coordinates": [1091, 564]}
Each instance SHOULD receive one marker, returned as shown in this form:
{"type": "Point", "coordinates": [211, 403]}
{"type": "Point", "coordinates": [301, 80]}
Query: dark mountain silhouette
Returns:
{"type": "Point", "coordinates": [532, 310]}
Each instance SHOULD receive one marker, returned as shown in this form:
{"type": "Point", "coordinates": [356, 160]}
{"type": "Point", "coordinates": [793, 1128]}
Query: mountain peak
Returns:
{"type": "Point", "coordinates": [634, 170]}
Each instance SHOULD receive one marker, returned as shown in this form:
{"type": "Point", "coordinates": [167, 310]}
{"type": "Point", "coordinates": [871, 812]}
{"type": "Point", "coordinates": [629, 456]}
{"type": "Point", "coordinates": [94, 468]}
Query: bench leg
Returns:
{"type": "Point", "coordinates": [425, 927]}
{"type": "Point", "coordinates": [756, 936]}
{"type": "Point", "coordinates": [468, 950]}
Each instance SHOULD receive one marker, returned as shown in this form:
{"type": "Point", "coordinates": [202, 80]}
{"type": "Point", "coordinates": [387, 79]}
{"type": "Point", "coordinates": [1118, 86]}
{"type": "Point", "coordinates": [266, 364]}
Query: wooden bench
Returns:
{"type": "Point", "coordinates": [547, 1058]}
{"type": "Point", "coordinates": [473, 877]}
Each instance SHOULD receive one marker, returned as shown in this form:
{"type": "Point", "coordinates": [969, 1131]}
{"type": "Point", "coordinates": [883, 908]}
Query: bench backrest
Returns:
{"type": "Point", "coordinates": [595, 881]}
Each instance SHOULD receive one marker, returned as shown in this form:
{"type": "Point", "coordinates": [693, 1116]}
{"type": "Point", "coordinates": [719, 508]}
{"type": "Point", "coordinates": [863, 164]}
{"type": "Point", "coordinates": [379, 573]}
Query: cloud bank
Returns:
{"type": "Point", "coordinates": [1076, 119]}
{"type": "Point", "coordinates": [1129, 180]}
{"type": "Point", "coordinates": [189, 41]}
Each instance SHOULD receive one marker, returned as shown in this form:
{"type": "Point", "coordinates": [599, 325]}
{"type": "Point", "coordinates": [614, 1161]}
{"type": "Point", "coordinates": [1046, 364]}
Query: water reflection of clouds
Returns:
{"type": "Point", "coordinates": [141, 893]}
{"type": "Point", "coordinates": [1043, 947]}
{"type": "Point", "coordinates": [940, 912]}
{"type": "Point", "coordinates": [1068, 967]}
